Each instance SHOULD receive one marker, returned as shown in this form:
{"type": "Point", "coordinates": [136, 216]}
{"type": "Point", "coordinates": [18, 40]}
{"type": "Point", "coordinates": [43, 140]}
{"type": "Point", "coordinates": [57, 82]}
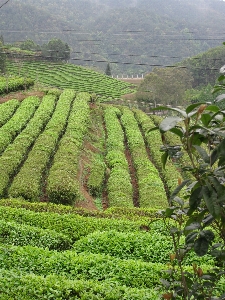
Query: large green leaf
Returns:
{"type": "Point", "coordinates": [195, 198]}
{"type": "Point", "coordinates": [190, 238]}
{"type": "Point", "coordinates": [205, 118]}
{"type": "Point", "coordinates": [208, 235]}
{"type": "Point", "coordinates": [219, 187]}
{"type": "Point", "coordinates": [210, 197]}
{"type": "Point", "coordinates": [201, 246]}
{"type": "Point", "coordinates": [168, 123]}
{"type": "Point", "coordinates": [218, 153]}
{"type": "Point", "coordinates": [182, 112]}
{"type": "Point", "coordinates": [191, 107]}
{"type": "Point", "coordinates": [178, 189]}
{"type": "Point", "coordinates": [164, 159]}
{"type": "Point", "coordinates": [193, 226]}
{"type": "Point", "coordinates": [204, 155]}
{"type": "Point", "coordinates": [220, 98]}
{"type": "Point", "coordinates": [213, 108]}
{"type": "Point", "coordinates": [177, 131]}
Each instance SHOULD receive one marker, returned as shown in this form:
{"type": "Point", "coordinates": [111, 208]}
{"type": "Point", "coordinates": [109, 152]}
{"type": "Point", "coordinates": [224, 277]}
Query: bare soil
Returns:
{"type": "Point", "coordinates": [21, 95]}
{"type": "Point", "coordinates": [83, 175]}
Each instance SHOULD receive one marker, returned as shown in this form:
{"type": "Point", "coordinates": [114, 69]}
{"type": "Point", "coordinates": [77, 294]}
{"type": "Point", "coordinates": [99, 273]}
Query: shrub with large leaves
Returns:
{"type": "Point", "coordinates": [201, 130]}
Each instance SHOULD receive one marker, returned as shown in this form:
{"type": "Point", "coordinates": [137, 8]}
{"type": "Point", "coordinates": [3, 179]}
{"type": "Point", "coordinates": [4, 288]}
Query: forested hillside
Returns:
{"type": "Point", "coordinates": [134, 36]}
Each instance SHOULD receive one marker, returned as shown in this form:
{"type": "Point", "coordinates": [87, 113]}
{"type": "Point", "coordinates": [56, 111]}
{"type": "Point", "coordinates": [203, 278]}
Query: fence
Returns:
{"type": "Point", "coordinates": [144, 106]}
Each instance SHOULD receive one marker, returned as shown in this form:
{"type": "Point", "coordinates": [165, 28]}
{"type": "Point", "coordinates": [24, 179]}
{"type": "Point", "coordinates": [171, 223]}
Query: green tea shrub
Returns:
{"type": "Point", "coordinates": [22, 235]}
{"type": "Point", "coordinates": [25, 286]}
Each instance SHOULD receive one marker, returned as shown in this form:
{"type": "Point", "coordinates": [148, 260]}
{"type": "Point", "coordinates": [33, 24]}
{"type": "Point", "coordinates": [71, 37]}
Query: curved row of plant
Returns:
{"type": "Point", "coordinates": [153, 139]}
{"type": "Point", "coordinates": [114, 252]}
{"type": "Point", "coordinates": [15, 153]}
{"type": "Point", "coordinates": [133, 213]}
{"type": "Point", "coordinates": [119, 185]}
{"type": "Point", "coordinates": [7, 109]}
{"type": "Point", "coordinates": [97, 165]}
{"type": "Point", "coordinates": [151, 189]}
{"type": "Point", "coordinates": [18, 121]}
{"type": "Point", "coordinates": [63, 184]}
{"type": "Point", "coordinates": [13, 233]}
{"type": "Point", "coordinates": [12, 84]}
{"type": "Point", "coordinates": [71, 76]}
{"type": "Point", "coordinates": [28, 182]}
{"type": "Point", "coordinates": [73, 225]}
{"type": "Point", "coordinates": [118, 238]}
{"type": "Point", "coordinates": [28, 286]}
{"type": "Point", "coordinates": [86, 266]}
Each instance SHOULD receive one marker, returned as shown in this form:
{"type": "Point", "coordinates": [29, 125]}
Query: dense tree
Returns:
{"type": "Point", "coordinates": [56, 50]}
{"type": "Point", "coordinates": [205, 66]}
{"type": "Point", "coordinates": [29, 45]}
{"type": "Point", "coordinates": [108, 70]}
{"type": "Point", "coordinates": [165, 86]}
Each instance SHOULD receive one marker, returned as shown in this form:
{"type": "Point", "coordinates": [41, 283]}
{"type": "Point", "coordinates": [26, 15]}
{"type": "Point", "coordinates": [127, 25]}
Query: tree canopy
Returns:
{"type": "Point", "coordinates": [165, 86]}
{"type": "Point", "coordinates": [56, 50]}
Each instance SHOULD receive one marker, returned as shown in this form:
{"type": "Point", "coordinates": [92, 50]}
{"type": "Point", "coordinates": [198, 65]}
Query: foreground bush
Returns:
{"type": "Point", "coordinates": [24, 286]}
{"type": "Point", "coordinates": [23, 235]}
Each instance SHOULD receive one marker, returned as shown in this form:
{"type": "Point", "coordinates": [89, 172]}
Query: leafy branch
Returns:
{"type": "Point", "coordinates": [199, 216]}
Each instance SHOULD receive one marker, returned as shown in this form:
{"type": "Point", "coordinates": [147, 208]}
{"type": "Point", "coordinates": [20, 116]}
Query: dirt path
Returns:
{"type": "Point", "coordinates": [83, 175]}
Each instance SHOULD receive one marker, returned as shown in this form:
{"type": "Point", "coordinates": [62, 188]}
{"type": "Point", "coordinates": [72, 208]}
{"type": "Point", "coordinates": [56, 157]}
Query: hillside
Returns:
{"type": "Point", "coordinates": [134, 36]}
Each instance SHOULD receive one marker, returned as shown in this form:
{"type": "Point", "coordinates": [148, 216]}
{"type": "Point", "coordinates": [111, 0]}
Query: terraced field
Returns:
{"type": "Point", "coordinates": [62, 148]}
{"type": "Point", "coordinates": [70, 76]}
{"type": "Point", "coordinates": [108, 241]}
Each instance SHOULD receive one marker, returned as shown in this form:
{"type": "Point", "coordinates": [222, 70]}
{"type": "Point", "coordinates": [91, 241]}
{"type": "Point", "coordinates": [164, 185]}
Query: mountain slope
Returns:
{"type": "Point", "coordinates": [132, 35]}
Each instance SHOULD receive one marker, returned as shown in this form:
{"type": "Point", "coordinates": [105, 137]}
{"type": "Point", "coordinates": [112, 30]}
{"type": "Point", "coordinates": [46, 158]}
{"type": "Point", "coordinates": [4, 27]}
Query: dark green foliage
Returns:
{"type": "Point", "coordinates": [165, 85]}
{"type": "Point", "coordinates": [56, 50]}
{"type": "Point", "coordinates": [108, 70]}
{"type": "Point", "coordinates": [166, 44]}
{"type": "Point", "coordinates": [13, 233]}
{"type": "Point", "coordinates": [202, 137]}
{"type": "Point", "coordinates": [29, 45]}
{"type": "Point", "coordinates": [204, 66]}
